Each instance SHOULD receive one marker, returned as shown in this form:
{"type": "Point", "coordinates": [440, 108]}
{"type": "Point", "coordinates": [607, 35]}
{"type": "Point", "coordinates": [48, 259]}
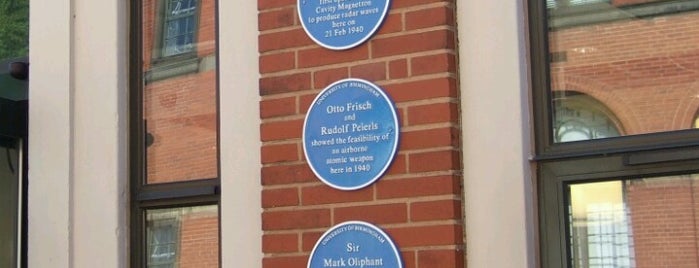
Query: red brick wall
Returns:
{"type": "Point", "coordinates": [199, 240]}
{"type": "Point", "coordinates": [664, 222]}
{"type": "Point", "coordinates": [418, 201]}
{"type": "Point", "coordinates": [181, 114]}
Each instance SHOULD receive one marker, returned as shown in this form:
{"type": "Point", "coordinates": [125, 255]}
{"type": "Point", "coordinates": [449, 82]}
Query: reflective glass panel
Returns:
{"type": "Point", "coordinates": [638, 58]}
{"type": "Point", "coordinates": [182, 237]}
{"type": "Point", "coordinates": [649, 222]}
{"type": "Point", "coordinates": [9, 202]}
{"type": "Point", "coordinates": [179, 90]}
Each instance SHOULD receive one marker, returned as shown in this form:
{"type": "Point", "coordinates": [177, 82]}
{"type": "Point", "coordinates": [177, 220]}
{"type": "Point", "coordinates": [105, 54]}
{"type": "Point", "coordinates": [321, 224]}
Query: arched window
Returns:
{"type": "Point", "coordinates": [580, 117]}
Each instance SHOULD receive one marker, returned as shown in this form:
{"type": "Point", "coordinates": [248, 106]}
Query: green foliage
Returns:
{"type": "Point", "coordinates": [14, 28]}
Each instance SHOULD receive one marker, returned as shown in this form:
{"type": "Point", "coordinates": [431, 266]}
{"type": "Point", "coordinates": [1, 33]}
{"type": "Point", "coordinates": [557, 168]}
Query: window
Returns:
{"type": "Point", "coordinates": [179, 27]}
{"type": "Point", "coordinates": [178, 42]}
{"type": "Point", "coordinates": [163, 238]}
{"type": "Point", "coordinates": [580, 117]}
{"type": "Point", "coordinates": [615, 86]}
{"type": "Point", "coordinates": [174, 155]}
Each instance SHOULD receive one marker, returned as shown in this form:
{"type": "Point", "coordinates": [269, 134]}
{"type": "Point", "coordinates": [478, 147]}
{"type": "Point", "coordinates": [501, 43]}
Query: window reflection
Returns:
{"type": "Point", "coordinates": [180, 90]}
{"type": "Point", "coordinates": [182, 237]}
{"type": "Point", "coordinates": [640, 59]}
{"type": "Point", "coordinates": [635, 223]}
{"type": "Point", "coordinates": [580, 117]}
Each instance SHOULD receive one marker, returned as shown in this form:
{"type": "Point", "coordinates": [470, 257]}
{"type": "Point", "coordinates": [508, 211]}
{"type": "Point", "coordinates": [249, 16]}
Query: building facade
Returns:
{"type": "Point", "coordinates": [170, 133]}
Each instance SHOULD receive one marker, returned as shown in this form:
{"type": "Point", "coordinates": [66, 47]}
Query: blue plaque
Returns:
{"type": "Point", "coordinates": [355, 244]}
{"type": "Point", "coordinates": [350, 134]}
{"type": "Point", "coordinates": [341, 24]}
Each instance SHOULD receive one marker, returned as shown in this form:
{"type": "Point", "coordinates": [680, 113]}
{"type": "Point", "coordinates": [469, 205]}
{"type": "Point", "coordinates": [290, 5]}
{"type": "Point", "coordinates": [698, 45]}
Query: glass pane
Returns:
{"type": "Point", "coordinates": [179, 93]}
{"type": "Point", "coordinates": [9, 202]}
{"type": "Point", "coordinates": [638, 59]}
{"type": "Point", "coordinates": [649, 222]}
{"type": "Point", "coordinates": [182, 237]}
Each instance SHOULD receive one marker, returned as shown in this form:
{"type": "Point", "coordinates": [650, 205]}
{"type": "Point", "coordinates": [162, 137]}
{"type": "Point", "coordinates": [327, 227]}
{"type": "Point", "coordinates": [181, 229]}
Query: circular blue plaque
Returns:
{"type": "Point", "coordinates": [350, 134]}
{"type": "Point", "coordinates": [355, 244]}
{"type": "Point", "coordinates": [341, 24]}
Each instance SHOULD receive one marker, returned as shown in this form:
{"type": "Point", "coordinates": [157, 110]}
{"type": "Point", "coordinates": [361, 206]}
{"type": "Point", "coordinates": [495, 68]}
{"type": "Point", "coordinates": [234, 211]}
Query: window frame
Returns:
{"type": "Point", "coordinates": [559, 164]}
{"type": "Point", "coordinates": [545, 148]}
{"type": "Point", "coordinates": [555, 176]}
{"type": "Point", "coordinates": [143, 196]}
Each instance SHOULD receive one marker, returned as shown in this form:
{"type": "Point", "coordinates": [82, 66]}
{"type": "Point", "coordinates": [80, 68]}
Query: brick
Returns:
{"type": "Point", "coordinates": [432, 64]}
{"type": "Point", "coordinates": [277, 107]}
{"type": "Point", "coordinates": [284, 39]}
{"type": "Point", "coordinates": [277, 62]}
{"type": "Point", "coordinates": [414, 187]}
{"type": "Point", "coordinates": [422, 89]}
{"type": "Point", "coordinates": [435, 210]}
{"type": "Point", "coordinates": [322, 56]}
{"type": "Point", "coordinates": [284, 83]}
{"type": "Point", "coordinates": [433, 113]}
{"type": "Point", "coordinates": [392, 24]}
{"type": "Point", "coordinates": [279, 153]}
{"type": "Point", "coordinates": [268, 4]}
{"type": "Point", "coordinates": [325, 77]}
{"type": "Point", "coordinates": [378, 214]}
{"type": "Point", "coordinates": [316, 195]}
{"type": "Point", "coordinates": [280, 243]}
{"type": "Point", "coordinates": [287, 174]}
{"type": "Point", "coordinates": [434, 161]}
{"type": "Point", "coordinates": [409, 259]}
{"type": "Point", "coordinates": [399, 165]}
{"type": "Point", "coordinates": [440, 258]}
{"type": "Point", "coordinates": [296, 219]}
{"type": "Point", "coordinates": [284, 197]}
{"type": "Point", "coordinates": [432, 235]}
{"type": "Point", "coordinates": [425, 18]}
{"type": "Point", "coordinates": [419, 42]}
{"type": "Point", "coordinates": [309, 240]}
{"type": "Point", "coordinates": [286, 262]}
{"type": "Point", "coordinates": [429, 138]}
{"type": "Point", "coordinates": [372, 71]}
{"type": "Point", "coordinates": [276, 18]}
{"type": "Point", "coordinates": [281, 130]}
{"type": "Point", "coordinates": [305, 102]}
{"type": "Point", "coordinates": [398, 69]}
{"type": "Point", "coordinates": [411, 3]}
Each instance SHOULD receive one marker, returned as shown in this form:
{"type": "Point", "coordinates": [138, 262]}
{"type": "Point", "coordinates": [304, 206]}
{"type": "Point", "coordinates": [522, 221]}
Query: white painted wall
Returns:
{"type": "Point", "coordinates": [78, 191]}
{"type": "Point", "coordinates": [498, 193]}
{"type": "Point", "coordinates": [100, 191]}
{"type": "Point", "coordinates": [50, 134]}
{"type": "Point", "coordinates": [241, 224]}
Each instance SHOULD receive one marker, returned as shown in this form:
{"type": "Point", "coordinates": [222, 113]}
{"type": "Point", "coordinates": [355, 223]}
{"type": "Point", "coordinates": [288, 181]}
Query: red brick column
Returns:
{"type": "Point", "coordinates": [418, 201]}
